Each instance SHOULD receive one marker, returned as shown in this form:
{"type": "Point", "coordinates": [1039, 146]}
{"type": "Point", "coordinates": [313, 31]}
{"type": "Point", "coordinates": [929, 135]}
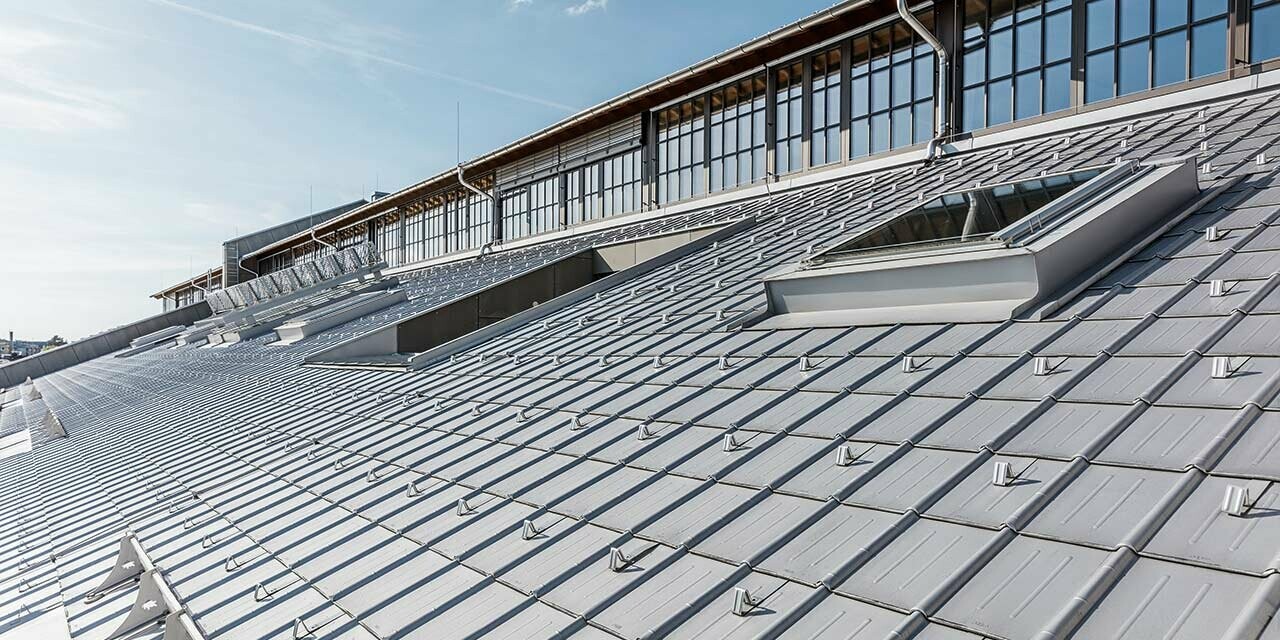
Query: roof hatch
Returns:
{"type": "Point", "coordinates": [986, 253]}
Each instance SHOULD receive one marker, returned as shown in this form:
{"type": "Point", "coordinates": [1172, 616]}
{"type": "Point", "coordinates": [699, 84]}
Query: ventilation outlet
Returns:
{"type": "Point", "coordinates": [982, 255]}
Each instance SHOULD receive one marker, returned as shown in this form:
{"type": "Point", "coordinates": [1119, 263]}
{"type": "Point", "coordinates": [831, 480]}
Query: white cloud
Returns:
{"type": "Point", "coordinates": [33, 98]}
{"type": "Point", "coordinates": [360, 55]}
{"type": "Point", "coordinates": [516, 5]}
{"type": "Point", "coordinates": [587, 6]}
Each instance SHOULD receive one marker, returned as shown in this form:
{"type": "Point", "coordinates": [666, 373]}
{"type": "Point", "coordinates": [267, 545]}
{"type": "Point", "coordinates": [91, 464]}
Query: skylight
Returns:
{"type": "Point", "coordinates": [985, 254]}
{"type": "Point", "coordinates": [974, 215]}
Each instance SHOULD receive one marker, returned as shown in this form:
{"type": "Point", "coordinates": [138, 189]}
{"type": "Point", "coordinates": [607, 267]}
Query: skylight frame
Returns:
{"type": "Point", "coordinates": [1047, 217]}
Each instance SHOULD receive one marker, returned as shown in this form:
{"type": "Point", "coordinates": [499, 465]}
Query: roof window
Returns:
{"type": "Point", "coordinates": [989, 253]}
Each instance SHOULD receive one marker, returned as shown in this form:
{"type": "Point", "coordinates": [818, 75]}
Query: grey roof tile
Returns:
{"type": "Point", "coordinates": [1198, 388]}
{"type": "Point", "coordinates": [976, 500]}
{"type": "Point", "coordinates": [907, 571]}
{"type": "Point", "coordinates": [1103, 505]}
{"type": "Point", "coordinates": [980, 423]}
{"type": "Point", "coordinates": [911, 478]}
{"type": "Point", "coordinates": [1166, 437]}
{"type": "Point", "coordinates": [1257, 451]}
{"type": "Point", "coordinates": [1022, 587]}
{"type": "Point", "coordinates": [1166, 600]}
{"type": "Point", "coordinates": [1066, 429]}
{"type": "Point", "coordinates": [759, 529]}
{"type": "Point", "coordinates": [839, 618]}
{"type": "Point", "coordinates": [1200, 532]}
{"type": "Point", "coordinates": [826, 545]}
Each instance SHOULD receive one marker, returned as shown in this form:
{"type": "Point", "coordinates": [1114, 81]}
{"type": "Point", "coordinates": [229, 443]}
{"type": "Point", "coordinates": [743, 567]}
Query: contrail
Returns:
{"type": "Point", "coordinates": [312, 43]}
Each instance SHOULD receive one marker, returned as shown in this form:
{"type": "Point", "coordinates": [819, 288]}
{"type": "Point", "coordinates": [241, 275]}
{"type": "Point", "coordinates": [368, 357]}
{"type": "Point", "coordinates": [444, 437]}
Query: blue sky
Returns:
{"type": "Point", "coordinates": [136, 135]}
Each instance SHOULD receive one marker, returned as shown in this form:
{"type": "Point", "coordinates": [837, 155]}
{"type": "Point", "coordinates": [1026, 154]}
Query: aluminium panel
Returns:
{"type": "Point", "coordinates": [837, 617]}
{"type": "Point", "coordinates": [777, 458]}
{"type": "Point", "coordinates": [562, 547]}
{"type": "Point", "coordinates": [1256, 265]}
{"type": "Point", "coordinates": [1066, 429]}
{"type": "Point", "coordinates": [1157, 599]}
{"type": "Point", "coordinates": [1126, 302]}
{"type": "Point", "coordinates": [717, 620]}
{"type": "Point", "coordinates": [910, 568]}
{"type": "Point", "coordinates": [1249, 377]}
{"type": "Point", "coordinates": [822, 478]}
{"type": "Point", "coordinates": [1103, 505]}
{"type": "Point", "coordinates": [842, 534]}
{"type": "Point", "coordinates": [1122, 379]}
{"type": "Point", "coordinates": [980, 423]}
{"type": "Point", "coordinates": [1167, 437]}
{"type": "Point", "coordinates": [1254, 335]}
{"type": "Point", "coordinates": [1256, 453]}
{"type": "Point", "coordinates": [1171, 336]}
{"type": "Point", "coordinates": [1199, 531]}
{"type": "Point", "coordinates": [1017, 338]}
{"type": "Point", "coordinates": [1198, 302]}
{"type": "Point", "coordinates": [590, 583]}
{"type": "Point", "coordinates": [696, 513]}
{"type": "Point", "coordinates": [906, 419]}
{"type": "Point", "coordinates": [759, 529]}
{"type": "Point", "coordinates": [966, 375]}
{"type": "Point", "coordinates": [917, 475]}
{"type": "Point", "coordinates": [1022, 587]}
{"type": "Point", "coordinates": [843, 415]}
{"type": "Point", "coordinates": [663, 595]}
{"type": "Point", "coordinates": [976, 500]}
{"type": "Point", "coordinates": [643, 503]}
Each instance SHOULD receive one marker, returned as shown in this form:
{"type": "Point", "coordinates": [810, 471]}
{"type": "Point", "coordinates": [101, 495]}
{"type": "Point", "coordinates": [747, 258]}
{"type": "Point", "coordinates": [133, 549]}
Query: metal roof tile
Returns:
{"type": "Point", "coordinates": [906, 419]}
{"type": "Point", "coordinates": [1197, 387]}
{"type": "Point", "coordinates": [976, 500]}
{"type": "Point", "coordinates": [842, 415]}
{"type": "Point", "coordinates": [980, 423]}
{"type": "Point", "coordinates": [1066, 429]}
{"type": "Point", "coordinates": [717, 620]}
{"type": "Point", "coordinates": [1166, 437]}
{"type": "Point", "coordinates": [1103, 505]}
{"type": "Point", "coordinates": [1167, 600]}
{"type": "Point", "coordinates": [965, 375]}
{"type": "Point", "coordinates": [1200, 531]}
{"type": "Point", "coordinates": [905, 572]}
{"type": "Point", "coordinates": [906, 481]}
{"type": "Point", "coordinates": [695, 512]}
{"type": "Point", "coordinates": [823, 478]}
{"type": "Point", "coordinates": [1022, 587]}
{"type": "Point", "coordinates": [758, 529]}
{"type": "Point", "coordinates": [827, 544]}
{"type": "Point", "coordinates": [1257, 451]}
{"type": "Point", "coordinates": [839, 618]}
{"type": "Point", "coordinates": [1122, 379]}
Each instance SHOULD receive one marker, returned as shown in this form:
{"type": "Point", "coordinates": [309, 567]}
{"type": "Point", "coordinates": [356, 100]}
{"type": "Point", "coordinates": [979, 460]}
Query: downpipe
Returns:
{"type": "Point", "coordinates": [942, 126]}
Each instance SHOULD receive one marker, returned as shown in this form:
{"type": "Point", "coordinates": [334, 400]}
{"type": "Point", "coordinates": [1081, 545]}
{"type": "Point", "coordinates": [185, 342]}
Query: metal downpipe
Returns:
{"type": "Point", "coordinates": [942, 127]}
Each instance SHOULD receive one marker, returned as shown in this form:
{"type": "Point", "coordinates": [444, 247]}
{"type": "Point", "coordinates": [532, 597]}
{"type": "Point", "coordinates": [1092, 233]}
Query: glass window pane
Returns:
{"type": "Point", "coordinates": [1264, 20]}
{"type": "Point", "coordinates": [999, 102]}
{"type": "Point", "coordinates": [901, 127]}
{"type": "Point", "coordinates": [1170, 13]}
{"type": "Point", "coordinates": [860, 140]}
{"type": "Point", "coordinates": [880, 90]}
{"type": "Point", "coordinates": [922, 121]}
{"type": "Point", "coordinates": [975, 66]}
{"type": "Point", "coordinates": [1170, 59]}
{"type": "Point", "coordinates": [1100, 30]}
{"type": "Point", "coordinates": [1099, 76]}
{"type": "Point", "coordinates": [1134, 69]}
{"type": "Point", "coordinates": [1057, 87]}
{"type": "Point", "coordinates": [1028, 37]}
{"type": "Point", "coordinates": [923, 74]}
{"type": "Point", "coordinates": [1135, 19]}
{"type": "Point", "coordinates": [1201, 9]}
{"type": "Point", "coordinates": [901, 83]}
{"type": "Point", "coordinates": [880, 133]}
{"type": "Point", "coordinates": [1209, 48]}
{"type": "Point", "coordinates": [975, 109]}
{"type": "Point", "coordinates": [1026, 93]}
{"type": "Point", "coordinates": [860, 93]}
{"type": "Point", "coordinates": [1000, 58]}
{"type": "Point", "coordinates": [1058, 45]}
